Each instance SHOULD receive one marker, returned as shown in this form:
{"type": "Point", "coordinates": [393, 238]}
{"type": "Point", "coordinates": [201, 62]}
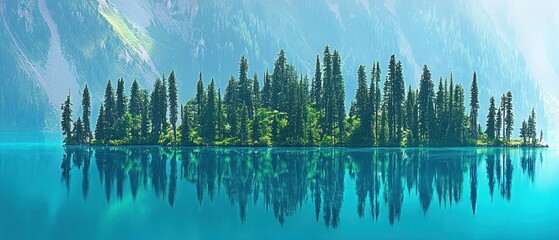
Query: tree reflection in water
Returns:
{"type": "Point", "coordinates": [284, 179]}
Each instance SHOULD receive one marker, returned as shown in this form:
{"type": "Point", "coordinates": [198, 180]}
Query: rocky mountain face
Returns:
{"type": "Point", "coordinates": [52, 47]}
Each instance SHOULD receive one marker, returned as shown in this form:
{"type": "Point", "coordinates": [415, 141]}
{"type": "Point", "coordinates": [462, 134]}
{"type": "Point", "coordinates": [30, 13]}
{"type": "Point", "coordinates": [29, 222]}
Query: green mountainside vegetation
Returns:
{"type": "Point", "coordinates": [290, 110]}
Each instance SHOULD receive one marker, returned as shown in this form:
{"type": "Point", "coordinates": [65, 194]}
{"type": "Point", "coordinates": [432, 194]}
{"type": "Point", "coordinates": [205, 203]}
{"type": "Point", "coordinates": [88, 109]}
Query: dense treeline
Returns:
{"type": "Point", "coordinates": [288, 111]}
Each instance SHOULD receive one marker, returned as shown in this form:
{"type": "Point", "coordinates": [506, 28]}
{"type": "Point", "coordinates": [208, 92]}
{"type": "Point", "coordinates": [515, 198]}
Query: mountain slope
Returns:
{"type": "Point", "coordinates": [145, 38]}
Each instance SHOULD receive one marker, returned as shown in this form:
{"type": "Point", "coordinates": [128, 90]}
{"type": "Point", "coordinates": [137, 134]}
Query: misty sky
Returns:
{"type": "Point", "coordinates": [532, 26]}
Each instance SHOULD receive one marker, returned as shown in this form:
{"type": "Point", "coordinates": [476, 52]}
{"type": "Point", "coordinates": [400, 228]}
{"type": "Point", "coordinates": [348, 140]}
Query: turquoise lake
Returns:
{"type": "Point", "coordinates": [48, 191]}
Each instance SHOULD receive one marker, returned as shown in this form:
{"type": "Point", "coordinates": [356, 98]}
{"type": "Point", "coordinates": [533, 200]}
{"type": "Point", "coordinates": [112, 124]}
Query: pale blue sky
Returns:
{"type": "Point", "coordinates": [532, 26]}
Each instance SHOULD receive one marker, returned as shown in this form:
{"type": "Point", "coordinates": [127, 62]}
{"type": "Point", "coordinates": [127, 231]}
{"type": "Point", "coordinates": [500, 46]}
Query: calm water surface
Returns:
{"type": "Point", "coordinates": [51, 192]}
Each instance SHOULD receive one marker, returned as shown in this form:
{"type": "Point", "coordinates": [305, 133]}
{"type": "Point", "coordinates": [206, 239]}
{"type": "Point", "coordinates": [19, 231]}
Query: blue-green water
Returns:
{"type": "Point", "coordinates": [51, 192]}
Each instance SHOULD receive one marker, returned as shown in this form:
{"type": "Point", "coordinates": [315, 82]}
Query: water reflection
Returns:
{"type": "Point", "coordinates": [282, 180]}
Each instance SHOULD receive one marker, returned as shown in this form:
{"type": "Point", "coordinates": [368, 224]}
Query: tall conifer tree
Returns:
{"type": "Point", "coordinates": [200, 95]}
{"type": "Point", "coordinates": [121, 101]}
{"type": "Point", "coordinates": [173, 103]}
{"type": "Point", "coordinates": [490, 127]}
{"type": "Point", "coordinates": [474, 107]}
{"type": "Point", "coordinates": [86, 114]}
{"type": "Point", "coordinates": [135, 100]}
{"type": "Point", "coordinates": [66, 121]}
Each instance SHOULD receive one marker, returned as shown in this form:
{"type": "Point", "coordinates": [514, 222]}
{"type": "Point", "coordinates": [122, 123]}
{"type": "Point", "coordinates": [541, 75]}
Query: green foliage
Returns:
{"type": "Point", "coordinates": [66, 121]}
{"type": "Point", "coordinates": [185, 127]}
{"type": "Point", "coordinates": [78, 133]}
{"type": "Point", "coordinates": [200, 97]}
{"type": "Point", "coordinates": [110, 110]}
{"type": "Point", "coordinates": [173, 103]}
{"type": "Point", "coordinates": [474, 107]}
{"type": "Point", "coordinates": [135, 39]}
{"type": "Point", "coordinates": [86, 114]}
{"type": "Point", "coordinates": [289, 112]}
{"type": "Point", "coordinates": [426, 108]}
{"type": "Point", "coordinates": [101, 126]}
{"type": "Point", "coordinates": [208, 125]}
{"type": "Point", "coordinates": [135, 107]}
{"type": "Point", "coordinates": [121, 99]}
{"type": "Point", "coordinates": [491, 121]}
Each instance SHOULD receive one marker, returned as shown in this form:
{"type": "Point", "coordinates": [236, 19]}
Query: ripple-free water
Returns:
{"type": "Point", "coordinates": [48, 191]}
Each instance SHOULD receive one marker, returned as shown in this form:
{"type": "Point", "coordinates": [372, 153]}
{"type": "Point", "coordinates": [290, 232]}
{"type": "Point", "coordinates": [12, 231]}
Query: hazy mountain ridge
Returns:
{"type": "Point", "coordinates": [189, 36]}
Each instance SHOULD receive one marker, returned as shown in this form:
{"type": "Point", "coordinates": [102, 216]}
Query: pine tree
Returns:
{"type": "Point", "coordinates": [524, 132]}
{"type": "Point", "coordinates": [458, 135]}
{"type": "Point", "coordinates": [339, 94]}
{"type": "Point", "coordinates": [498, 123]}
{"type": "Point", "coordinates": [154, 108]}
{"type": "Point", "coordinates": [394, 97]}
{"type": "Point", "coordinates": [388, 100]}
{"type": "Point", "coordinates": [266, 94]}
{"type": "Point", "coordinates": [145, 113]}
{"type": "Point", "coordinates": [121, 101]}
{"type": "Point", "coordinates": [173, 103]}
{"type": "Point", "coordinates": [256, 132]}
{"type": "Point", "coordinates": [399, 101]}
{"type": "Point", "coordinates": [110, 109]}
{"type": "Point", "coordinates": [78, 134]}
{"type": "Point", "coordinates": [531, 128]}
{"type": "Point", "coordinates": [474, 107]}
{"type": "Point", "coordinates": [185, 127]}
{"type": "Point", "coordinates": [245, 93]}
{"type": "Point", "coordinates": [327, 95]}
{"type": "Point", "coordinates": [86, 114]}
{"type": "Point", "coordinates": [256, 102]}
{"type": "Point", "coordinates": [135, 100]}
{"type": "Point", "coordinates": [490, 130]}
{"type": "Point", "coordinates": [209, 123]}
{"type": "Point", "coordinates": [158, 108]}
{"type": "Point", "coordinates": [230, 102]}
{"type": "Point", "coordinates": [411, 117]}
{"type": "Point", "coordinates": [450, 108]}
{"type": "Point", "coordinates": [220, 118]}
{"type": "Point", "coordinates": [304, 103]}
{"type": "Point", "coordinates": [425, 102]}
{"type": "Point", "coordinates": [289, 135]}
{"type": "Point", "coordinates": [243, 131]}
{"type": "Point", "coordinates": [383, 128]}
{"type": "Point", "coordinates": [509, 118]}
{"type": "Point", "coordinates": [375, 99]}
{"type": "Point", "coordinates": [441, 114]}
{"type": "Point", "coordinates": [279, 82]}
{"type": "Point", "coordinates": [101, 126]}
{"type": "Point", "coordinates": [66, 121]}
{"type": "Point", "coordinates": [164, 103]}
{"type": "Point", "coordinates": [415, 120]}
{"type": "Point", "coordinates": [200, 95]}
{"type": "Point", "coordinates": [316, 88]}
{"type": "Point", "coordinates": [504, 116]}
{"type": "Point", "coordinates": [363, 109]}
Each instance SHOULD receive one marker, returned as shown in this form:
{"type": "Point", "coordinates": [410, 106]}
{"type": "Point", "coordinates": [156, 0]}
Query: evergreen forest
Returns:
{"type": "Point", "coordinates": [291, 110]}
